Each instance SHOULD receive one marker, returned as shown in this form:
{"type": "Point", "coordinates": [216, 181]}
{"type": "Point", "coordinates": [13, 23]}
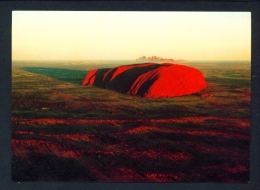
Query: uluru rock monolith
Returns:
{"type": "Point", "coordinates": [149, 80]}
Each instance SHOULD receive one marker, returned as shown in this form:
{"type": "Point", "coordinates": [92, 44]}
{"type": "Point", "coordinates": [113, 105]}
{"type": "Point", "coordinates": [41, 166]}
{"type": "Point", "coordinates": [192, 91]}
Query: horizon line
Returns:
{"type": "Point", "coordinates": [177, 60]}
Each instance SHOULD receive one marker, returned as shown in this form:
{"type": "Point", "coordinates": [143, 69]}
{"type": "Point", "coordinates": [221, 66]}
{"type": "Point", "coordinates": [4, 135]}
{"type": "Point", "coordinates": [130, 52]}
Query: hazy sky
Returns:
{"type": "Point", "coordinates": [86, 35]}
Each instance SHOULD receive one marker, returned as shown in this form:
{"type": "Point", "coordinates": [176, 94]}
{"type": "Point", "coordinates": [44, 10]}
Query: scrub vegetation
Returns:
{"type": "Point", "coordinates": [62, 130]}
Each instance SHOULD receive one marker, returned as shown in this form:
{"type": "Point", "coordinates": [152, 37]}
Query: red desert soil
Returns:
{"type": "Point", "coordinates": [20, 148]}
{"type": "Point", "coordinates": [142, 129]}
{"type": "Point", "coordinates": [238, 122]}
{"type": "Point", "coordinates": [60, 147]}
{"type": "Point", "coordinates": [149, 80]}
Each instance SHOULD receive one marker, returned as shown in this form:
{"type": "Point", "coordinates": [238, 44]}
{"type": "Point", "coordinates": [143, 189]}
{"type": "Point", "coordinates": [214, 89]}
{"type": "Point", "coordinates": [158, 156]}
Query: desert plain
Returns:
{"type": "Point", "coordinates": [65, 131]}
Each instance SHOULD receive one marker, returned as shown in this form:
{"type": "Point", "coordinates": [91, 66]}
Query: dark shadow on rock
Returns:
{"type": "Point", "coordinates": [99, 75]}
{"type": "Point", "coordinates": [123, 82]}
{"type": "Point", "coordinates": [107, 78]}
{"type": "Point", "coordinates": [144, 88]}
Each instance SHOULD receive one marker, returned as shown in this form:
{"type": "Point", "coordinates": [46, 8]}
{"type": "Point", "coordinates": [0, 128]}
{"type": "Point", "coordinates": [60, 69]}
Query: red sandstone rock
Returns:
{"type": "Point", "coordinates": [170, 80]}
{"type": "Point", "coordinates": [90, 77]}
{"type": "Point", "coordinates": [121, 69]}
{"type": "Point", "coordinates": [149, 80]}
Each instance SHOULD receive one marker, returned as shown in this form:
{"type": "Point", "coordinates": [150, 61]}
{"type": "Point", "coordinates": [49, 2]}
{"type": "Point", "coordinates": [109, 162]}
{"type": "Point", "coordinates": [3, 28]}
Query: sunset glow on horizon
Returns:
{"type": "Point", "coordinates": [97, 35]}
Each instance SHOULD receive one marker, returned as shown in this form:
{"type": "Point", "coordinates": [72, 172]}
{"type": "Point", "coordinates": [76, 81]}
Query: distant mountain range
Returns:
{"type": "Point", "coordinates": [156, 59]}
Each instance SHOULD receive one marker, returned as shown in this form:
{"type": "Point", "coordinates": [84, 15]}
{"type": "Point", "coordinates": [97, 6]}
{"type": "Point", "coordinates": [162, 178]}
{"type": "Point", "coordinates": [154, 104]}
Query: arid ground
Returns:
{"type": "Point", "coordinates": [63, 131]}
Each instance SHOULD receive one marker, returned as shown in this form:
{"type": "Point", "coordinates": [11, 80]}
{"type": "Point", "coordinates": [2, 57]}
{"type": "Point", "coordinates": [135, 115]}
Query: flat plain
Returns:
{"type": "Point", "coordinates": [63, 131]}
